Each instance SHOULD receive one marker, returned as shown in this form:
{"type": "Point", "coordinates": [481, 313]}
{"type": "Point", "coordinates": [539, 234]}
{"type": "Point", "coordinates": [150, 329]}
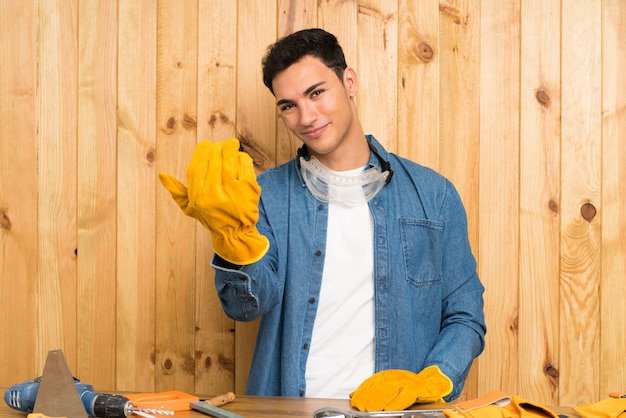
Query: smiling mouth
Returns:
{"type": "Point", "coordinates": [314, 133]}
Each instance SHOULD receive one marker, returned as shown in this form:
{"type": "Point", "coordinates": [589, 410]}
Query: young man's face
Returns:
{"type": "Point", "coordinates": [318, 107]}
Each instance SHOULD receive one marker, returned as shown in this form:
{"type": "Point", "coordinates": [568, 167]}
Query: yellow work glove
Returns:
{"type": "Point", "coordinates": [223, 194]}
{"type": "Point", "coordinates": [497, 404]}
{"type": "Point", "coordinates": [608, 408]}
{"type": "Point", "coordinates": [394, 390]}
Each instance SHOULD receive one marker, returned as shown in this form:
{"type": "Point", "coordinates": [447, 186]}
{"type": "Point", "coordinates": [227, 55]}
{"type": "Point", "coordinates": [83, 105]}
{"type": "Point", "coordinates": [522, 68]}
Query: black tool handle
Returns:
{"type": "Point", "coordinates": [110, 406]}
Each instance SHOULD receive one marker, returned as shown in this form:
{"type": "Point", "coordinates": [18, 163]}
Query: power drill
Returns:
{"type": "Point", "coordinates": [22, 397]}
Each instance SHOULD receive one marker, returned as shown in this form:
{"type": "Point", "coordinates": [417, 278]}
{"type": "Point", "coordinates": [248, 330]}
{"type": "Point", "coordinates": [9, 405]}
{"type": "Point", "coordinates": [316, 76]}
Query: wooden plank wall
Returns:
{"type": "Point", "coordinates": [521, 103]}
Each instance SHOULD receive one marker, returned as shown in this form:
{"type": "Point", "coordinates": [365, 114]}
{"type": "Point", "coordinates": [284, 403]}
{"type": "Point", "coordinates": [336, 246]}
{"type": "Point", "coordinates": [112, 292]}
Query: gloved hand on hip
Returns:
{"type": "Point", "coordinates": [223, 194]}
{"type": "Point", "coordinates": [394, 390]}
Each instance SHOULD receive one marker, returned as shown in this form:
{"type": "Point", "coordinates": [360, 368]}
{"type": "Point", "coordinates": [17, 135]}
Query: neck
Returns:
{"type": "Point", "coordinates": [354, 152]}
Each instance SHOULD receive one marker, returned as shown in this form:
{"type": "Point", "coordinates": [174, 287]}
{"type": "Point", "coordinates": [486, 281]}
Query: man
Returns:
{"type": "Point", "coordinates": [356, 260]}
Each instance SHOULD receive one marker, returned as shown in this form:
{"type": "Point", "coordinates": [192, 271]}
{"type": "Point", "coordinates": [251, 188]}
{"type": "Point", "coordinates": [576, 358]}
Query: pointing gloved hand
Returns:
{"type": "Point", "coordinates": [223, 194]}
{"type": "Point", "coordinates": [390, 390]}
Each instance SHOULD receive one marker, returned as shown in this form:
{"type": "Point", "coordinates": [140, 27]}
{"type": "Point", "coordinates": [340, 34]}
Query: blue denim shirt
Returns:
{"type": "Point", "coordinates": [428, 297]}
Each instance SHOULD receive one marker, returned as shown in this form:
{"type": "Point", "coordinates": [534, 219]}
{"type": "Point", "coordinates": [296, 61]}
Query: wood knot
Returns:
{"type": "Point", "coordinates": [452, 12]}
{"type": "Point", "coordinates": [5, 222]}
{"type": "Point", "coordinates": [551, 372]}
{"type": "Point", "coordinates": [208, 362]}
{"type": "Point", "coordinates": [169, 125]}
{"type": "Point", "coordinates": [514, 325]}
{"type": "Point", "coordinates": [150, 156]}
{"type": "Point", "coordinates": [588, 211]}
{"type": "Point", "coordinates": [168, 364]}
{"type": "Point", "coordinates": [218, 116]}
{"type": "Point", "coordinates": [543, 97]}
{"type": "Point", "coordinates": [425, 52]}
{"type": "Point", "coordinates": [261, 161]}
{"type": "Point", "coordinates": [189, 122]}
{"type": "Point", "coordinates": [226, 363]}
{"type": "Point", "coordinates": [189, 366]}
{"type": "Point", "coordinates": [553, 206]}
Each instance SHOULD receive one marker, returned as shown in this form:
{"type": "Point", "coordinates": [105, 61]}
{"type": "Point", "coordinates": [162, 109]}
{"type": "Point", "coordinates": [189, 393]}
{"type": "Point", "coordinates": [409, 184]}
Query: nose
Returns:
{"type": "Point", "coordinates": [308, 114]}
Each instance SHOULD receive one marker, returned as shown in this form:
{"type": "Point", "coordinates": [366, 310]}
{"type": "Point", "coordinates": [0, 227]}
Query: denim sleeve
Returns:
{"type": "Point", "coordinates": [461, 338]}
{"type": "Point", "coordinates": [245, 292]}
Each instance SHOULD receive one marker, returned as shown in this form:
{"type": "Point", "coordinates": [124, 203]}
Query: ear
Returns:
{"type": "Point", "coordinates": [350, 81]}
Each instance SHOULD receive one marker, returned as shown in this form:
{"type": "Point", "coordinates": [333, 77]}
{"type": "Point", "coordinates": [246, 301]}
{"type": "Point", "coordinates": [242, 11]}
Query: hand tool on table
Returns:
{"type": "Point", "coordinates": [211, 410]}
{"type": "Point", "coordinates": [329, 412]}
{"type": "Point", "coordinates": [56, 395]}
{"type": "Point", "coordinates": [175, 400]}
{"type": "Point", "coordinates": [56, 387]}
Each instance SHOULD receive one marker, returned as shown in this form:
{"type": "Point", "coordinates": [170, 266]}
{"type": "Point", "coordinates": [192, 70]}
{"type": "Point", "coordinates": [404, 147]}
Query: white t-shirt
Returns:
{"type": "Point", "coordinates": [342, 346]}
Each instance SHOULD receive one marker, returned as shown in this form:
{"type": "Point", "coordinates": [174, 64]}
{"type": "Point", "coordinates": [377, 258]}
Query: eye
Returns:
{"type": "Point", "coordinates": [286, 107]}
{"type": "Point", "coordinates": [317, 92]}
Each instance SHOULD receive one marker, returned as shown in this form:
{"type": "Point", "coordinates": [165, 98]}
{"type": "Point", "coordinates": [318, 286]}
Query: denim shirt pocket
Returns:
{"type": "Point", "coordinates": [423, 255]}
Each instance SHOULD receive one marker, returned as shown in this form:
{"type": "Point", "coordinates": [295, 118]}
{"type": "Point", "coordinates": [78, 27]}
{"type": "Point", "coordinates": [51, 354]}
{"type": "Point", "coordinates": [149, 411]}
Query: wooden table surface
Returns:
{"type": "Point", "coordinates": [266, 407]}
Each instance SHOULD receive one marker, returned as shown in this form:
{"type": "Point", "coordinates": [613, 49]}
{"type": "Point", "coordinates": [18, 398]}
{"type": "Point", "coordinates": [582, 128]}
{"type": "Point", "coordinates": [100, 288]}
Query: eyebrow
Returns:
{"type": "Point", "coordinates": [306, 92]}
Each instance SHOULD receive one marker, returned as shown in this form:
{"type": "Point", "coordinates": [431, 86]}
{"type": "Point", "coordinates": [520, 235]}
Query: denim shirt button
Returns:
{"type": "Point", "coordinates": [321, 207]}
{"type": "Point", "coordinates": [318, 253]}
{"type": "Point", "coordinates": [301, 393]}
{"type": "Point", "coordinates": [305, 346]}
{"type": "Point", "coordinates": [311, 300]}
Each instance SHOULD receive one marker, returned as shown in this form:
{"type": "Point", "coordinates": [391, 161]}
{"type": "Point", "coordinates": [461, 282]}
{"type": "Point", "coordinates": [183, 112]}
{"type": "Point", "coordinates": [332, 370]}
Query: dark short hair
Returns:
{"type": "Point", "coordinates": [292, 48]}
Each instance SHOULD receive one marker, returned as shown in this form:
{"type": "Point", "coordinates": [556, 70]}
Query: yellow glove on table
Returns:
{"type": "Point", "coordinates": [223, 194]}
{"type": "Point", "coordinates": [497, 404]}
{"type": "Point", "coordinates": [608, 408]}
{"type": "Point", "coordinates": [394, 390]}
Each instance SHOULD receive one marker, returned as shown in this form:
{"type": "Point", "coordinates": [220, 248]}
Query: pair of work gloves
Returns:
{"type": "Point", "coordinates": [223, 195]}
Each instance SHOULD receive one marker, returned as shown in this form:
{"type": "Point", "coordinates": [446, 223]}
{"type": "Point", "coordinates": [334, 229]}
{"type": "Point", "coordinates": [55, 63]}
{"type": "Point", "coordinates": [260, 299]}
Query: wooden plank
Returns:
{"type": "Point", "coordinates": [292, 16]}
{"type": "Point", "coordinates": [540, 133]}
{"type": "Point", "coordinates": [458, 123]}
{"type": "Point", "coordinates": [136, 186]}
{"type": "Point", "coordinates": [256, 127]}
{"type": "Point", "coordinates": [340, 19]}
{"type": "Point", "coordinates": [57, 81]}
{"type": "Point", "coordinates": [217, 98]}
{"type": "Point", "coordinates": [18, 192]}
{"type": "Point", "coordinates": [580, 202]}
{"type": "Point", "coordinates": [612, 283]}
{"type": "Point", "coordinates": [177, 73]}
{"type": "Point", "coordinates": [96, 221]}
{"type": "Point", "coordinates": [377, 55]}
{"type": "Point", "coordinates": [498, 197]}
{"type": "Point", "coordinates": [418, 82]}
